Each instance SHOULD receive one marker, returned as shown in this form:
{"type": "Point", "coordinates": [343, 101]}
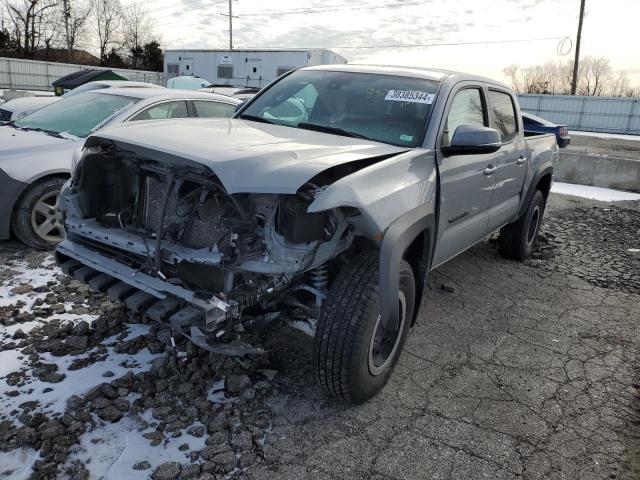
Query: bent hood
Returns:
{"type": "Point", "coordinates": [248, 157]}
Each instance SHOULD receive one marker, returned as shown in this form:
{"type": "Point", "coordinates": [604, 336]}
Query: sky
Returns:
{"type": "Point", "coordinates": [346, 26]}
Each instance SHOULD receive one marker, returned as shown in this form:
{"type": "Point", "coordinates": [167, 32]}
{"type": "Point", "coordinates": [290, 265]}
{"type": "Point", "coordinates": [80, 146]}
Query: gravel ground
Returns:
{"type": "Point", "coordinates": [513, 371]}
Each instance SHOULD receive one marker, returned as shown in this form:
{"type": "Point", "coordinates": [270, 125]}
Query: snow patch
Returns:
{"type": "Point", "coordinates": [593, 193]}
{"type": "Point", "coordinates": [16, 464]}
{"type": "Point", "coordinates": [110, 450]}
{"type": "Point", "coordinates": [76, 382]}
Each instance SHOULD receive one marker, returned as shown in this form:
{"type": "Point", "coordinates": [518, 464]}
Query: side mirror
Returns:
{"type": "Point", "coordinates": [473, 140]}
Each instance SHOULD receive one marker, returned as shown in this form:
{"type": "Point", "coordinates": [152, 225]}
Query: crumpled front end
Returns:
{"type": "Point", "coordinates": [166, 238]}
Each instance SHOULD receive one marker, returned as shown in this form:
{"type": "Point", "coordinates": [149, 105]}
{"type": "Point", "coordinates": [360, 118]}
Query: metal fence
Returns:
{"type": "Point", "coordinates": [590, 114]}
{"type": "Point", "coordinates": [16, 73]}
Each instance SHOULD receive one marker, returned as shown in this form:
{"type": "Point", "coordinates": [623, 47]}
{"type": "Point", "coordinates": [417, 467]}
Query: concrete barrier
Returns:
{"type": "Point", "coordinates": [598, 171]}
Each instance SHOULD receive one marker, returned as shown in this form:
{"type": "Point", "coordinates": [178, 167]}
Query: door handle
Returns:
{"type": "Point", "coordinates": [490, 170]}
{"type": "Point", "coordinates": [521, 160]}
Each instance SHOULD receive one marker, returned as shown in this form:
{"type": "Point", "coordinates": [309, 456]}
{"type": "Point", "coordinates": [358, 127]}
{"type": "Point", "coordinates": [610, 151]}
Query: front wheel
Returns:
{"type": "Point", "coordinates": [36, 220]}
{"type": "Point", "coordinates": [354, 352]}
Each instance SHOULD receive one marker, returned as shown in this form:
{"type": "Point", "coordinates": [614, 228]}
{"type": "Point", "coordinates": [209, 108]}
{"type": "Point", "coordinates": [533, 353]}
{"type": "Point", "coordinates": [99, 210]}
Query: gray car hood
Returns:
{"type": "Point", "coordinates": [249, 156]}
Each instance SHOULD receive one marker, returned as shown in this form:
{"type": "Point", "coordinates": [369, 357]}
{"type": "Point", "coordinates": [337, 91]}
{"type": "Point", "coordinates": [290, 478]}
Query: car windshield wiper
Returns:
{"type": "Point", "coordinates": [328, 129]}
{"type": "Point", "coordinates": [38, 129]}
{"type": "Point", "coordinates": [255, 118]}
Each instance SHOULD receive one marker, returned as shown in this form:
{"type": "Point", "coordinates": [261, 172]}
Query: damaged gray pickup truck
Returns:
{"type": "Point", "coordinates": [330, 195]}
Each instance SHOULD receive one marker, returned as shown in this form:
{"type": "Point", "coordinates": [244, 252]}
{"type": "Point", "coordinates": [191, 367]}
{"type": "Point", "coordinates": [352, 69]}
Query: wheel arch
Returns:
{"type": "Point", "coordinates": [411, 237]}
{"type": "Point", "coordinates": [541, 180]}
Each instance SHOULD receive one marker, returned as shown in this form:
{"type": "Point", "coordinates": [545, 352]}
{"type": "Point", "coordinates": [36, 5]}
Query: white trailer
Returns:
{"type": "Point", "coordinates": [251, 68]}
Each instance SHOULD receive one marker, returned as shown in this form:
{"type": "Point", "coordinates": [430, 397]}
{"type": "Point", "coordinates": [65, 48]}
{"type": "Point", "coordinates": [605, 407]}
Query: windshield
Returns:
{"type": "Point", "coordinates": [385, 108]}
{"type": "Point", "coordinates": [77, 115]}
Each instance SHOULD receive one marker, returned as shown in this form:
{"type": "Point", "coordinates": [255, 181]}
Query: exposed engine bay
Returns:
{"type": "Point", "coordinates": [214, 259]}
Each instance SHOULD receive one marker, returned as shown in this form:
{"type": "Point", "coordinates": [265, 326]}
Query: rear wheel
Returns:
{"type": "Point", "coordinates": [36, 220]}
{"type": "Point", "coordinates": [354, 352]}
{"type": "Point", "coordinates": [517, 239]}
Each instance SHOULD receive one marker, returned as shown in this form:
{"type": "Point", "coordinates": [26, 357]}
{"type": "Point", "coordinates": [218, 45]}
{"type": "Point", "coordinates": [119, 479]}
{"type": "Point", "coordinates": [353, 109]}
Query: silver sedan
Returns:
{"type": "Point", "coordinates": [36, 152]}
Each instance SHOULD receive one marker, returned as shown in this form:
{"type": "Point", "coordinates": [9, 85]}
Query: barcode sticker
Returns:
{"type": "Point", "coordinates": [414, 96]}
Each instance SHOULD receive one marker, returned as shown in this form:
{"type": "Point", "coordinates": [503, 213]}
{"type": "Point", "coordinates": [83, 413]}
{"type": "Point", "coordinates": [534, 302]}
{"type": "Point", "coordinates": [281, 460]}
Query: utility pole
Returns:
{"type": "Point", "coordinates": [231, 17]}
{"type": "Point", "coordinates": [574, 80]}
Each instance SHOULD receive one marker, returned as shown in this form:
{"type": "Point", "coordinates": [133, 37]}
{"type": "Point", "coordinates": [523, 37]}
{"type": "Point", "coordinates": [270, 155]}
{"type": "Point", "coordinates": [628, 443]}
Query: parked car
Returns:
{"type": "Point", "coordinates": [536, 125]}
{"type": "Point", "coordinates": [21, 107]}
{"type": "Point", "coordinates": [188, 83]}
{"type": "Point", "coordinates": [338, 215]}
{"type": "Point", "coordinates": [36, 151]}
{"type": "Point", "coordinates": [243, 93]}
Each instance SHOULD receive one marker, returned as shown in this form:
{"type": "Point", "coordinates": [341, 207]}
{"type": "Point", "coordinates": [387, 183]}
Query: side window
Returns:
{"type": "Point", "coordinates": [466, 109]}
{"type": "Point", "coordinates": [504, 114]}
{"type": "Point", "coordinates": [163, 111]}
{"type": "Point", "coordinates": [208, 109]}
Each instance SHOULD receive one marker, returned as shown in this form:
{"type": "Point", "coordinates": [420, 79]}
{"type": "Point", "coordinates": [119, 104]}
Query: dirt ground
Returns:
{"type": "Point", "coordinates": [513, 371]}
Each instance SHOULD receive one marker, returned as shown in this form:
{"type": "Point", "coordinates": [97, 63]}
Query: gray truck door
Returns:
{"type": "Point", "coordinates": [510, 159]}
{"type": "Point", "coordinates": [465, 187]}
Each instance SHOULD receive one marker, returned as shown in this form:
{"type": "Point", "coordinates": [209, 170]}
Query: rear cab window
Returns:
{"type": "Point", "coordinates": [503, 114]}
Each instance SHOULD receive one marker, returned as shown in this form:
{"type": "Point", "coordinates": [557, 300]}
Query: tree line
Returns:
{"type": "Point", "coordinates": [596, 77]}
{"type": "Point", "coordinates": [65, 30]}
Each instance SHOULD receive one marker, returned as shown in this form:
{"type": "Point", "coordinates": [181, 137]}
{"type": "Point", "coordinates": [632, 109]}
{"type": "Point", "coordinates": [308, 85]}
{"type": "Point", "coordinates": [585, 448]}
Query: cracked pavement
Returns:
{"type": "Point", "coordinates": [513, 371]}
{"type": "Point", "coordinates": [521, 371]}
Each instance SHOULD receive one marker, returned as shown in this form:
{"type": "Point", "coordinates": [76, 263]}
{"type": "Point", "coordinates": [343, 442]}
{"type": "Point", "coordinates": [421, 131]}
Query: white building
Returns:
{"type": "Point", "coordinates": [252, 68]}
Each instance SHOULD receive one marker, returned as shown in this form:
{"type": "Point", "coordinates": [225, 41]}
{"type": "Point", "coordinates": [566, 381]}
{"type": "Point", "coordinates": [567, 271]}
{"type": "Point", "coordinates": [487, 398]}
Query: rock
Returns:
{"type": "Point", "coordinates": [190, 472]}
{"type": "Point", "coordinates": [143, 465]}
{"type": "Point", "coordinates": [110, 414]}
{"type": "Point", "coordinates": [53, 377]}
{"type": "Point", "coordinates": [216, 425]}
{"type": "Point", "coordinates": [270, 374]}
{"type": "Point", "coordinates": [108, 374]}
{"type": "Point", "coordinates": [197, 431]}
{"type": "Point", "coordinates": [242, 441]}
{"type": "Point", "coordinates": [100, 403]}
{"type": "Point", "coordinates": [51, 429]}
{"type": "Point", "coordinates": [185, 387]}
{"type": "Point", "coordinates": [247, 459]}
{"type": "Point", "coordinates": [122, 404]}
{"type": "Point", "coordinates": [155, 437]}
{"type": "Point", "coordinates": [21, 289]}
{"type": "Point", "coordinates": [81, 328]}
{"type": "Point", "coordinates": [447, 288]}
{"type": "Point", "coordinates": [167, 471]}
{"type": "Point", "coordinates": [19, 334]}
{"type": "Point", "coordinates": [26, 436]}
{"type": "Point", "coordinates": [208, 453]}
{"type": "Point", "coordinates": [160, 413]}
{"type": "Point", "coordinates": [109, 391]}
{"type": "Point", "coordinates": [236, 384]}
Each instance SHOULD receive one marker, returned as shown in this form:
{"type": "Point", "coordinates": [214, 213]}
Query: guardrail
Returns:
{"type": "Point", "coordinates": [17, 73]}
{"type": "Point", "coordinates": [590, 114]}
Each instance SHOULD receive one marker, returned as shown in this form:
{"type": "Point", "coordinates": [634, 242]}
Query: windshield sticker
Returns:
{"type": "Point", "coordinates": [414, 96]}
{"type": "Point", "coordinates": [406, 138]}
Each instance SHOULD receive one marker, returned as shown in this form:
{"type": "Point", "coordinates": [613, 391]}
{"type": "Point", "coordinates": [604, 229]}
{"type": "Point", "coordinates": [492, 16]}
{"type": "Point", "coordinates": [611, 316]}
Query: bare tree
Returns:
{"type": "Point", "coordinates": [137, 30]}
{"type": "Point", "coordinates": [108, 17]}
{"type": "Point", "coordinates": [74, 19]}
{"type": "Point", "coordinates": [595, 77]}
{"type": "Point", "coordinates": [33, 23]}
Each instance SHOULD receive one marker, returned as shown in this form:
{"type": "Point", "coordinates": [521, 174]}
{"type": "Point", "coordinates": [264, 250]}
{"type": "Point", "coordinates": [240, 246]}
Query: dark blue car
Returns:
{"type": "Point", "coordinates": [536, 124]}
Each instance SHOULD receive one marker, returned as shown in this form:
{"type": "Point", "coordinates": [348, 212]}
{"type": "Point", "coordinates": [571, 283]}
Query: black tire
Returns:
{"type": "Point", "coordinates": [344, 349]}
{"type": "Point", "coordinates": [517, 239]}
{"type": "Point", "coordinates": [25, 217]}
